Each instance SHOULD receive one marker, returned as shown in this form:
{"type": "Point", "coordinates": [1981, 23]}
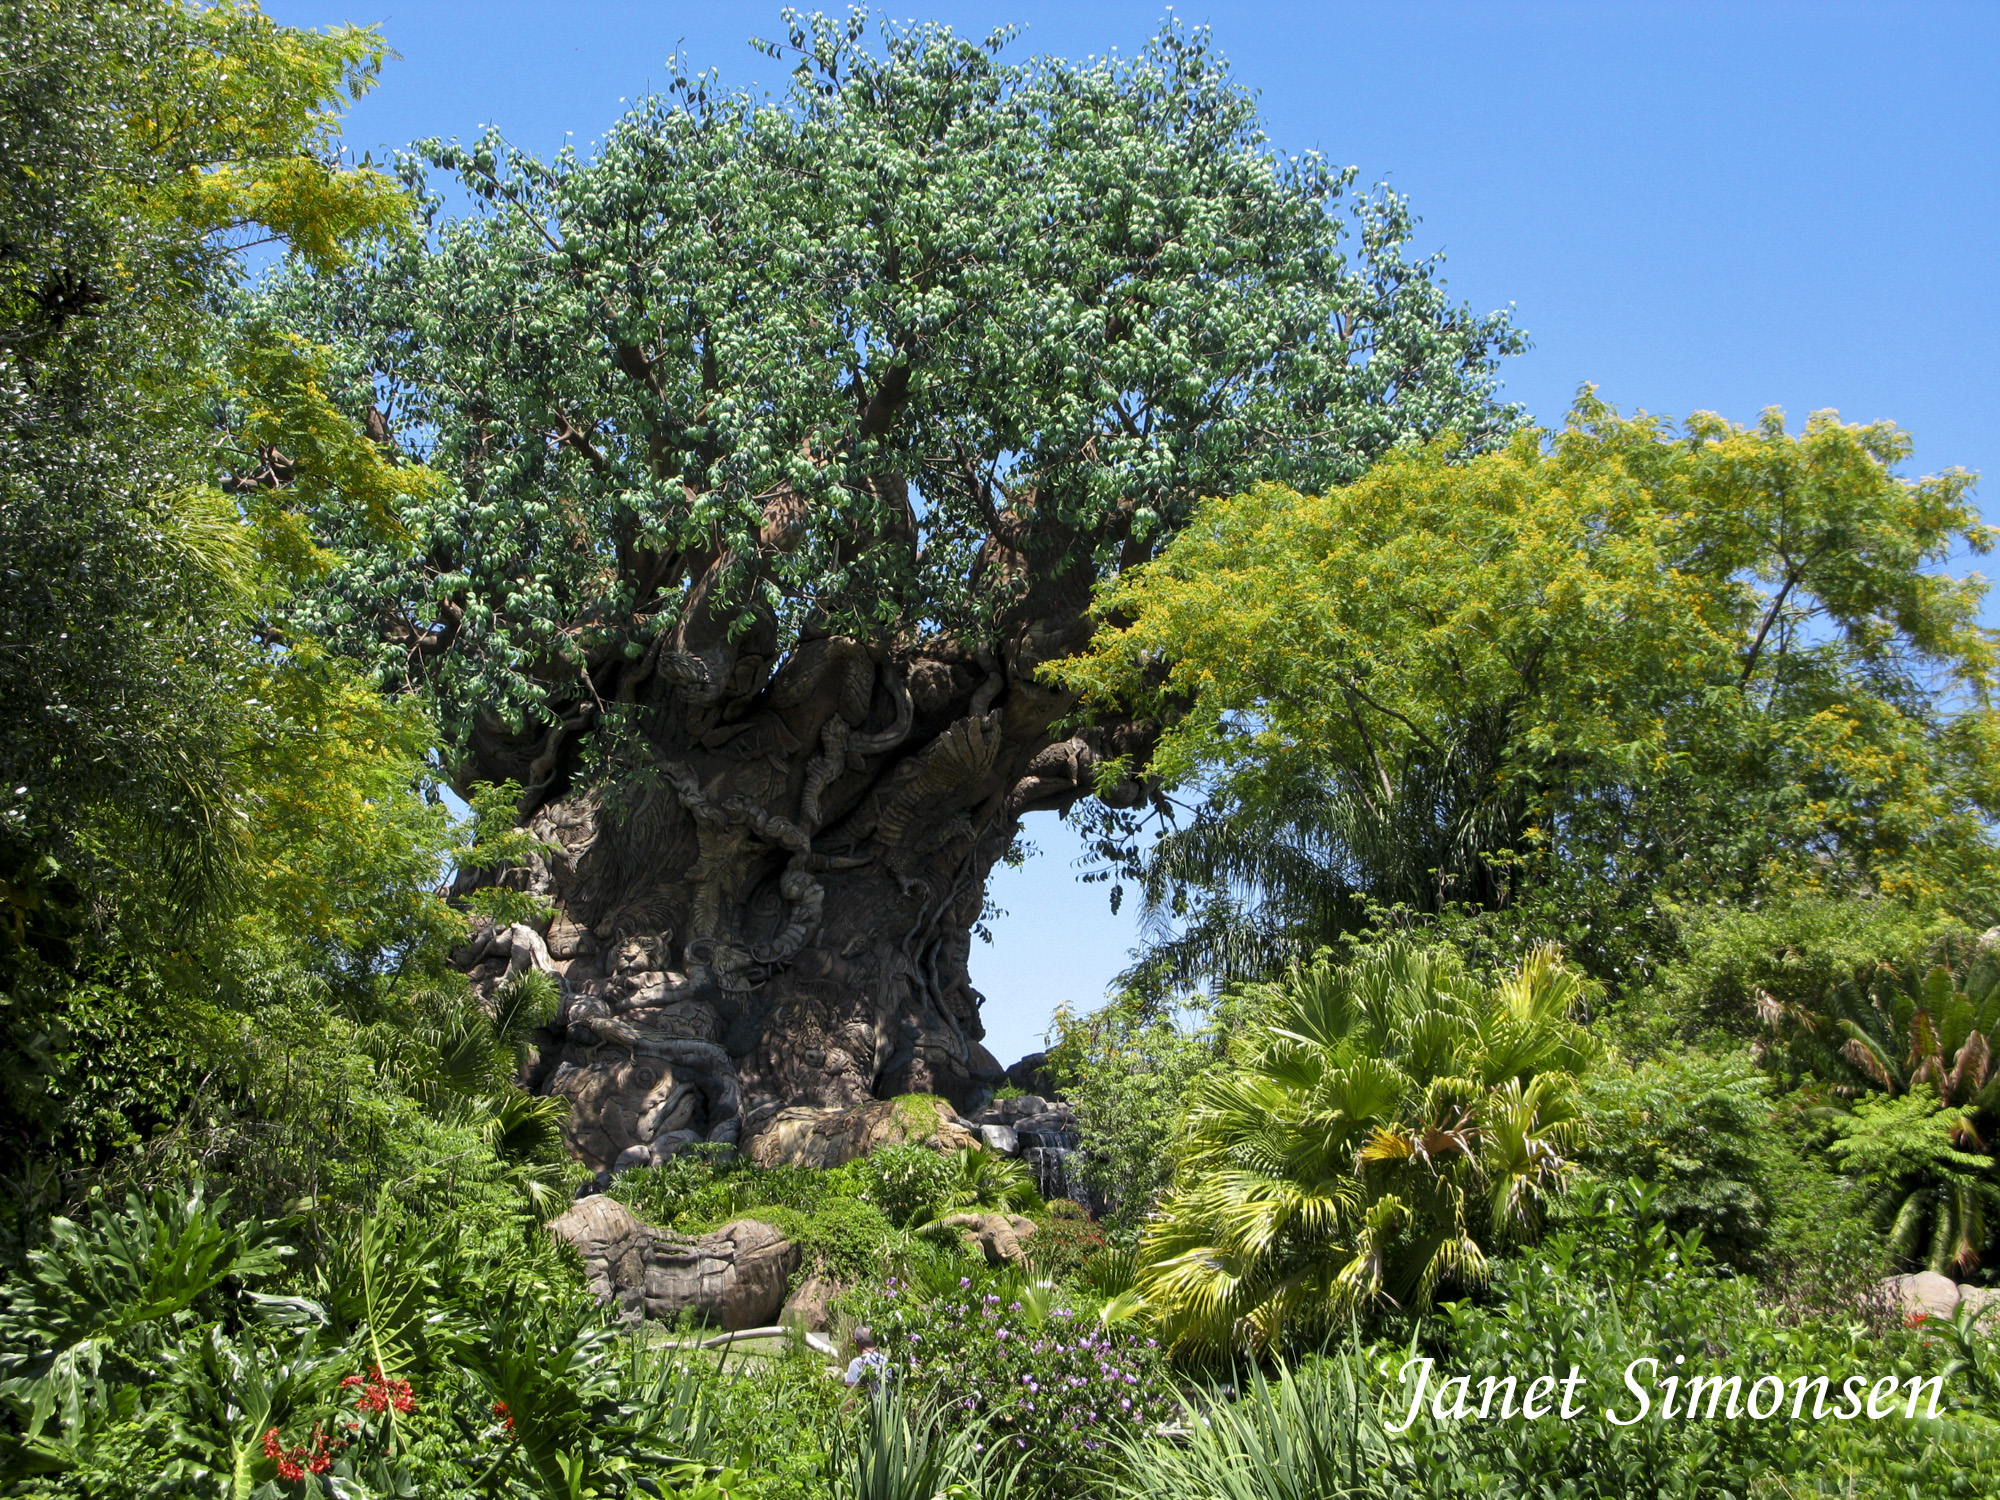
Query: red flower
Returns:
{"type": "Point", "coordinates": [313, 1456]}
{"type": "Point", "coordinates": [500, 1411]}
{"type": "Point", "coordinates": [1915, 1319]}
{"type": "Point", "coordinates": [380, 1393]}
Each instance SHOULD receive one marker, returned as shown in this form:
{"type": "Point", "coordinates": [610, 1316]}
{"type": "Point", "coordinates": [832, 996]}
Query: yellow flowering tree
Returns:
{"type": "Point", "coordinates": [1617, 664]}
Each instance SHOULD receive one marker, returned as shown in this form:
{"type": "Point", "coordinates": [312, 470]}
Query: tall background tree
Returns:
{"type": "Point", "coordinates": [1596, 680]}
{"type": "Point", "coordinates": [784, 443]}
{"type": "Point", "coordinates": [201, 815]}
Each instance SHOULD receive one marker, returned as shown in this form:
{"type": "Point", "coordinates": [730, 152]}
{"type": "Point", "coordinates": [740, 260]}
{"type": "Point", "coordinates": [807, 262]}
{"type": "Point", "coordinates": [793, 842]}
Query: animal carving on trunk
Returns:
{"type": "Point", "coordinates": [773, 960]}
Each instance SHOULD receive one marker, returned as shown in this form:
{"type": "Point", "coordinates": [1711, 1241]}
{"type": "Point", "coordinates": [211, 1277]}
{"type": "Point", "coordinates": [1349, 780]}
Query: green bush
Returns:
{"type": "Point", "coordinates": [1061, 1245]}
{"type": "Point", "coordinates": [844, 1238]}
{"type": "Point", "coordinates": [1127, 1073]}
{"type": "Point", "coordinates": [1698, 1128]}
{"type": "Point", "coordinates": [1615, 1287]}
{"type": "Point", "coordinates": [905, 1182]}
{"type": "Point", "coordinates": [1937, 1202]}
{"type": "Point", "coordinates": [1793, 950]}
{"type": "Point", "coordinates": [707, 1185]}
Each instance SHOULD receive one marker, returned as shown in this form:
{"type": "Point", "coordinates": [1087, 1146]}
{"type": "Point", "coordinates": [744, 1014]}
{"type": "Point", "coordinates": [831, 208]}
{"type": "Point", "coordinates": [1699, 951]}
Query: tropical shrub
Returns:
{"type": "Point", "coordinates": [1890, 1027]}
{"type": "Point", "coordinates": [1911, 1043]}
{"type": "Point", "coordinates": [1064, 1241]}
{"type": "Point", "coordinates": [1615, 1286]}
{"type": "Point", "coordinates": [1054, 1386]}
{"type": "Point", "coordinates": [705, 1185]}
{"type": "Point", "coordinates": [164, 1343]}
{"type": "Point", "coordinates": [1698, 1128]}
{"type": "Point", "coordinates": [1934, 1200]}
{"type": "Point", "coordinates": [1380, 1128]}
{"type": "Point", "coordinates": [1793, 949]}
{"type": "Point", "coordinates": [977, 1180]}
{"type": "Point", "coordinates": [905, 1182]}
{"type": "Point", "coordinates": [1126, 1070]}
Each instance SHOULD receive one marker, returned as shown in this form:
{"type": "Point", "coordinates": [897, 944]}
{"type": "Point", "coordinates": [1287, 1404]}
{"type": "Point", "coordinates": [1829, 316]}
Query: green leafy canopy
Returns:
{"type": "Point", "coordinates": [926, 345]}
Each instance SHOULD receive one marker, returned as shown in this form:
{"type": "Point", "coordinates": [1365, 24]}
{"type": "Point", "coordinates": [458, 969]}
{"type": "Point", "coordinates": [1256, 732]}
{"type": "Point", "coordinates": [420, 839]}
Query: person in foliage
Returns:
{"type": "Point", "coordinates": [869, 1369]}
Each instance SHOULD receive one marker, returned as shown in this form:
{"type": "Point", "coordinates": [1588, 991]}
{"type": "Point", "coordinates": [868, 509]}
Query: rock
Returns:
{"type": "Point", "coordinates": [984, 1069]}
{"type": "Point", "coordinates": [807, 1307]}
{"type": "Point", "coordinates": [807, 1137]}
{"type": "Point", "coordinates": [1925, 1292]}
{"type": "Point", "coordinates": [1032, 1074]}
{"type": "Point", "coordinates": [1050, 1127]}
{"type": "Point", "coordinates": [1001, 1138]}
{"type": "Point", "coordinates": [734, 1277]}
{"type": "Point", "coordinates": [1929, 1295]}
{"type": "Point", "coordinates": [613, 1244]}
{"type": "Point", "coordinates": [1042, 1132]}
{"type": "Point", "coordinates": [997, 1236]}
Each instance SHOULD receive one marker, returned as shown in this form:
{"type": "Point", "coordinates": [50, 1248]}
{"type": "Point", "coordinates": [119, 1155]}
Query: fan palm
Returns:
{"type": "Point", "coordinates": [978, 1181]}
{"type": "Point", "coordinates": [1383, 1124]}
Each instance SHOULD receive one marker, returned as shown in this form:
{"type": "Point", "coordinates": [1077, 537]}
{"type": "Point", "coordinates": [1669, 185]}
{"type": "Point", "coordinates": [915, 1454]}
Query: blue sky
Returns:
{"type": "Point", "coordinates": [1695, 206]}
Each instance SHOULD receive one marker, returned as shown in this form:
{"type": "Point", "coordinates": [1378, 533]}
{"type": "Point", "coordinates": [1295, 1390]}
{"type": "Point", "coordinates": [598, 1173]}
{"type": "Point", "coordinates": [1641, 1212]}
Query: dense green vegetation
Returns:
{"type": "Point", "coordinates": [1578, 953]}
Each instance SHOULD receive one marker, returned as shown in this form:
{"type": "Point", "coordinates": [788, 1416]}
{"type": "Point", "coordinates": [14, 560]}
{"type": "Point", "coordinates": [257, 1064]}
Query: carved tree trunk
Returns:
{"type": "Point", "coordinates": [777, 909]}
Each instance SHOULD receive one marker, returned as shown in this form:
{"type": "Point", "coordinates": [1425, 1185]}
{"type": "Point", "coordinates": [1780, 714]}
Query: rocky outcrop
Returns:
{"type": "Point", "coordinates": [735, 1277]}
{"type": "Point", "coordinates": [1927, 1295]}
{"type": "Point", "coordinates": [810, 1305]}
{"type": "Point", "coordinates": [1032, 1075]}
{"type": "Point", "coordinates": [807, 1137]}
{"type": "Point", "coordinates": [996, 1236]}
{"type": "Point", "coordinates": [1042, 1132]}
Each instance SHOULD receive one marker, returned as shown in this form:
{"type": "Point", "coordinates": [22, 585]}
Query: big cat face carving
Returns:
{"type": "Point", "coordinates": [639, 955]}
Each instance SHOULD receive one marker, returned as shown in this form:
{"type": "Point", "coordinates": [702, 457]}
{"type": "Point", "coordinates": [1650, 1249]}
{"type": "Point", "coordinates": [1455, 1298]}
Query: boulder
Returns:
{"type": "Point", "coordinates": [996, 1236]}
{"type": "Point", "coordinates": [807, 1307]}
{"type": "Point", "coordinates": [1926, 1294]}
{"type": "Point", "coordinates": [1048, 1127]}
{"type": "Point", "coordinates": [734, 1277]}
{"type": "Point", "coordinates": [1032, 1074]}
{"type": "Point", "coordinates": [808, 1137]}
{"type": "Point", "coordinates": [613, 1244]}
{"type": "Point", "coordinates": [1001, 1138]}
